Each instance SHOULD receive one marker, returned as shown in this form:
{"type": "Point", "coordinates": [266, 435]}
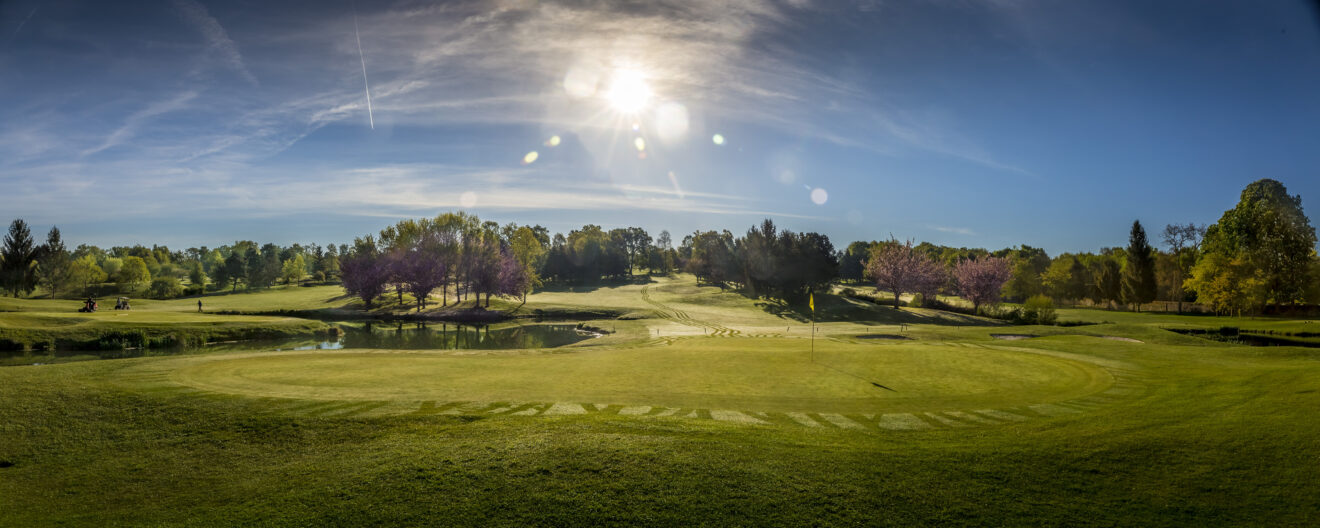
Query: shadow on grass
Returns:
{"type": "Point", "coordinates": [833, 308]}
{"type": "Point", "coordinates": [591, 286]}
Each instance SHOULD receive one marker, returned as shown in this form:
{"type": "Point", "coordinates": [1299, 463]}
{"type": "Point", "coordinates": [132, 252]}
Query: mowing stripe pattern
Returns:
{"type": "Point", "coordinates": [1130, 383]}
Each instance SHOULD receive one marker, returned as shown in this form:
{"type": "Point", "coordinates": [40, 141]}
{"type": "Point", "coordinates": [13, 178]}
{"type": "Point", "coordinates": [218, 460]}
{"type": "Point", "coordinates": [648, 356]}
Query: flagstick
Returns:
{"type": "Point", "coordinates": [811, 300]}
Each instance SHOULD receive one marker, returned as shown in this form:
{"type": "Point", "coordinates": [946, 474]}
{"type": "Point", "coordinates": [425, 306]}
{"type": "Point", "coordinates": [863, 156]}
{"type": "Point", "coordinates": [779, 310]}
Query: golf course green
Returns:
{"type": "Point", "coordinates": [695, 406]}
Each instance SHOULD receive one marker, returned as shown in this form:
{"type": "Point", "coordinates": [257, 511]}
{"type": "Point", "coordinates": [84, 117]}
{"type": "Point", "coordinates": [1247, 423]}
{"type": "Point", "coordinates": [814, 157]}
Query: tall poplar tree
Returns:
{"type": "Point", "coordinates": [1139, 275]}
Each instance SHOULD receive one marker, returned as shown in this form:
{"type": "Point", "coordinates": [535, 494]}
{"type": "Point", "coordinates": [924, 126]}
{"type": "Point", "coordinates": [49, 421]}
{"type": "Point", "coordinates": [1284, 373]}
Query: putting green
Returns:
{"type": "Point", "coordinates": [750, 374]}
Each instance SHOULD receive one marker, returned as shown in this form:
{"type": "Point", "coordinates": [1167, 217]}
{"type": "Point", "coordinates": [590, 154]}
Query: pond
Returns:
{"type": "Point", "coordinates": [1230, 334]}
{"type": "Point", "coordinates": [362, 335]}
{"type": "Point", "coordinates": [427, 336]}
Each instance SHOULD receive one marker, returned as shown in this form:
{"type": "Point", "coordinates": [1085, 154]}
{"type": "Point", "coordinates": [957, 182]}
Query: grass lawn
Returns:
{"type": "Point", "coordinates": [701, 408]}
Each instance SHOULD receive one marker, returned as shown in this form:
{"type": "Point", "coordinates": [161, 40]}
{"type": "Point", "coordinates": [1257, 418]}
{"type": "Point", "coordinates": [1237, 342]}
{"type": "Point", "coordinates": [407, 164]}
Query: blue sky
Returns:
{"type": "Point", "coordinates": [965, 123]}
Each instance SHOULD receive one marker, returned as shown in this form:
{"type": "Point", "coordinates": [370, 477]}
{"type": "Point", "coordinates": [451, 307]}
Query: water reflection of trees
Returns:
{"type": "Point", "coordinates": [447, 336]}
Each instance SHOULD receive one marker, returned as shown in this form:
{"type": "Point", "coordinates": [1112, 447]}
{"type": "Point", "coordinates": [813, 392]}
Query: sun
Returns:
{"type": "Point", "coordinates": [628, 92]}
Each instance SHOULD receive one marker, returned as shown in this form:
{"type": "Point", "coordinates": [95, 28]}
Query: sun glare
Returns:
{"type": "Point", "coordinates": [628, 91]}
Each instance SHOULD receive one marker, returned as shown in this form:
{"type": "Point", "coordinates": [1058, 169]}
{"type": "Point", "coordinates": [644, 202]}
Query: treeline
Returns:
{"type": "Point", "coordinates": [1259, 254]}
{"type": "Point", "coordinates": [157, 271]}
{"type": "Point", "coordinates": [451, 252]}
{"type": "Point", "coordinates": [765, 262]}
{"type": "Point", "coordinates": [458, 254]}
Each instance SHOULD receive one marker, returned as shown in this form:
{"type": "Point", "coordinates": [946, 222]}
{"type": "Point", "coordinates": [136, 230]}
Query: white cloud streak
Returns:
{"type": "Point", "coordinates": [366, 85]}
{"type": "Point", "coordinates": [135, 121]}
{"type": "Point", "coordinates": [24, 22]}
{"type": "Point", "coordinates": [954, 230]}
{"type": "Point", "coordinates": [216, 37]}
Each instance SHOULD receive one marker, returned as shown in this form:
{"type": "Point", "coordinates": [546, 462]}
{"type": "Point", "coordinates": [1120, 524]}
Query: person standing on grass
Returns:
{"type": "Point", "coordinates": [199, 305]}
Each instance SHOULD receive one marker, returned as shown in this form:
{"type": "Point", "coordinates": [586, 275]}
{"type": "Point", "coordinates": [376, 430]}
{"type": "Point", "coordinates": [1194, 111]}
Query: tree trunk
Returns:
{"type": "Point", "coordinates": [896, 294]}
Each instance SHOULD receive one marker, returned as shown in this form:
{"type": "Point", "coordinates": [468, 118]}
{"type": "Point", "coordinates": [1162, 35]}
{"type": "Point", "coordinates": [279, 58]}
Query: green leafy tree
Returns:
{"type": "Point", "coordinates": [529, 252]}
{"type": "Point", "coordinates": [1079, 280]}
{"type": "Point", "coordinates": [1139, 285]}
{"type": "Point", "coordinates": [84, 271]}
{"type": "Point", "coordinates": [18, 273]}
{"type": "Point", "coordinates": [1230, 285]}
{"type": "Point", "coordinates": [197, 276]}
{"type": "Point", "coordinates": [1057, 279]}
{"type": "Point", "coordinates": [53, 263]}
{"type": "Point", "coordinates": [1313, 290]}
{"type": "Point", "coordinates": [1109, 281]}
{"type": "Point", "coordinates": [111, 266]}
{"type": "Point", "coordinates": [1026, 281]}
{"type": "Point", "coordinates": [1183, 241]}
{"type": "Point", "coordinates": [294, 269]}
{"type": "Point", "coordinates": [165, 288]}
{"type": "Point", "coordinates": [1268, 232]}
{"type": "Point", "coordinates": [636, 243]}
{"type": "Point", "coordinates": [271, 265]}
{"type": "Point", "coordinates": [134, 275]}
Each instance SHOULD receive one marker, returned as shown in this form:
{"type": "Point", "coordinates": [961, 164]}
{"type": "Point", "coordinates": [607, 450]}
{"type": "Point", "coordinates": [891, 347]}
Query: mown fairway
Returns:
{"type": "Point", "coordinates": [700, 408]}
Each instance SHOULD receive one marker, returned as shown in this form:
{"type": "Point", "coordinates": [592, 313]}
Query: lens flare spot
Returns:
{"type": "Point", "coordinates": [786, 176]}
{"type": "Point", "coordinates": [467, 199]}
{"type": "Point", "coordinates": [530, 157]}
{"type": "Point", "coordinates": [819, 196]}
{"type": "Point", "coordinates": [718, 139]}
{"type": "Point", "coordinates": [639, 143]}
{"type": "Point", "coordinates": [552, 142]}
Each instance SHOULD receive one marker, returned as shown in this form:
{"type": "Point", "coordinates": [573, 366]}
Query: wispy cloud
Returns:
{"type": "Point", "coordinates": [135, 121]}
{"type": "Point", "coordinates": [954, 230]}
{"type": "Point", "coordinates": [451, 65]}
{"type": "Point", "coordinates": [29, 16]}
{"type": "Point", "coordinates": [216, 37]}
{"type": "Point", "coordinates": [426, 189]}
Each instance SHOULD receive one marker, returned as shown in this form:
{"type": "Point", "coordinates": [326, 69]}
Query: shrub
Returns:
{"type": "Point", "coordinates": [165, 288]}
{"type": "Point", "coordinates": [1011, 314]}
{"type": "Point", "coordinates": [1039, 310]}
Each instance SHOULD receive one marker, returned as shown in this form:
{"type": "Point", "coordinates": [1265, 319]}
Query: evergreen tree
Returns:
{"type": "Point", "coordinates": [235, 269]}
{"type": "Point", "coordinates": [256, 270]}
{"type": "Point", "coordinates": [53, 262]}
{"type": "Point", "coordinates": [1139, 275]}
{"type": "Point", "coordinates": [17, 273]}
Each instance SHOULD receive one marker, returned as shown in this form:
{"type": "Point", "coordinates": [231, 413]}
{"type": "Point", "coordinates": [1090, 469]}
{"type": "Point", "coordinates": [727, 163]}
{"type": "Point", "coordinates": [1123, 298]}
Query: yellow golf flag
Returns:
{"type": "Point", "coordinates": [811, 301]}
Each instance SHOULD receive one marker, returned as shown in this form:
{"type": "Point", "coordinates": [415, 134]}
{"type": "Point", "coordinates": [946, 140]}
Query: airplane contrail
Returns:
{"type": "Point", "coordinates": [24, 22]}
{"type": "Point", "coordinates": [365, 84]}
